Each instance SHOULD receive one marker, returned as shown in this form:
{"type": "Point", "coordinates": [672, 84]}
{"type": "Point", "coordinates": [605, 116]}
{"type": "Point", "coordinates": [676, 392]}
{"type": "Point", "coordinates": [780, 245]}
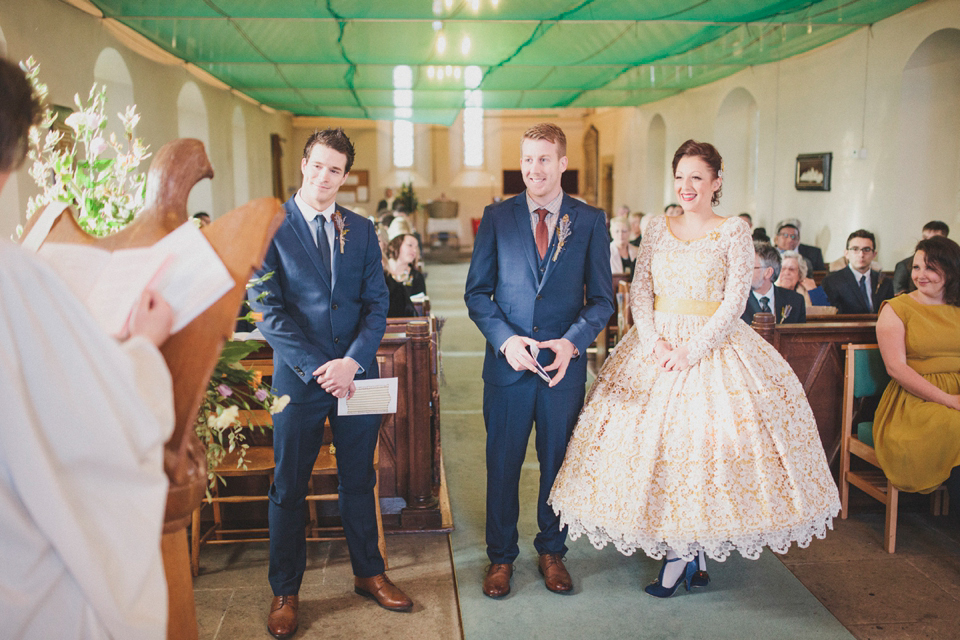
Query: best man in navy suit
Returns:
{"type": "Point", "coordinates": [324, 313]}
{"type": "Point", "coordinates": [785, 305]}
{"type": "Point", "coordinates": [539, 279]}
{"type": "Point", "coordinates": [857, 288]}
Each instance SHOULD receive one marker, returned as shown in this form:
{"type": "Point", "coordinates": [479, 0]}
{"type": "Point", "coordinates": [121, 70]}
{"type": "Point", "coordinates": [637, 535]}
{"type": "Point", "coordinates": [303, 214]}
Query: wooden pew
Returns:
{"type": "Point", "coordinates": [410, 438]}
{"type": "Point", "coordinates": [814, 350]}
{"type": "Point", "coordinates": [610, 334]}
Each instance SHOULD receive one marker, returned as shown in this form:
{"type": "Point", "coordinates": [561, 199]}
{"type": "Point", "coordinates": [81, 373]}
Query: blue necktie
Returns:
{"type": "Point", "coordinates": [863, 292]}
{"type": "Point", "coordinates": [323, 244]}
{"type": "Point", "coordinates": [764, 304]}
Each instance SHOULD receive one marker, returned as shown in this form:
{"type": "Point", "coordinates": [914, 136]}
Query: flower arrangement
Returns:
{"type": "Point", "coordinates": [233, 389]}
{"type": "Point", "coordinates": [407, 198]}
{"type": "Point", "coordinates": [94, 172]}
{"type": "Point", "coordinates": [108, 192]}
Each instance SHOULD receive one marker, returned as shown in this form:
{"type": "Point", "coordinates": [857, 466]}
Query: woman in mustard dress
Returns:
{"type": "Point", "coordinates": [916, 427]}
{"type": "Point", "coordinates": [696, 439]}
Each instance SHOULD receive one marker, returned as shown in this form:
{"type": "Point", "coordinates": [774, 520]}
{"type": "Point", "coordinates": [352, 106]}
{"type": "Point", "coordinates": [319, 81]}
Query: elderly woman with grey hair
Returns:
{"type": "Point", "coordinates": [793, 276]}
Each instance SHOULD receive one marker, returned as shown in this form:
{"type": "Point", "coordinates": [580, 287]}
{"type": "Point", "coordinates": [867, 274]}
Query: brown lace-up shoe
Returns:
{"type": "Point", "coordinates": [282, 621]}
{"type": "Point", "coordinates": [497, 582]}
{"type": "Point", "coordinates": [387, 594]}
{"type": "Point", "coordinates": [555, 575]}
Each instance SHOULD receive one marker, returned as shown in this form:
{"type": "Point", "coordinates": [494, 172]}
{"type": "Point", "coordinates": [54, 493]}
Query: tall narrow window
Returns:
{"type": "Point", "coordinates": [473, 118]}
{"type": "Point", "coordinates": [403, 114]}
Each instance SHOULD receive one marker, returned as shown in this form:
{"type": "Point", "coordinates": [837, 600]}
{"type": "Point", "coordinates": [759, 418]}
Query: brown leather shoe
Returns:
{"type": "Point", "coordinates": [555, 575]}
{"type": "Point", "coordinates": [497, 582]}
{"type": "Point", "coordinates": [387, 594]}
{"type": "Point", "coordinates": [282, 621]}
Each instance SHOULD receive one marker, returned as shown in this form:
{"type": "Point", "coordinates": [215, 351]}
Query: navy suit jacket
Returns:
{"type": "Point", "coordinates": [844, 293]}
{"type": "Point", "coordinates": [782, 298]}
{"type": "Point", "coordinates": [814, 255]}
{"type": "Point", "coordinates": [305, 322]}
{"type": "Point", "coordinates": [507, 294]}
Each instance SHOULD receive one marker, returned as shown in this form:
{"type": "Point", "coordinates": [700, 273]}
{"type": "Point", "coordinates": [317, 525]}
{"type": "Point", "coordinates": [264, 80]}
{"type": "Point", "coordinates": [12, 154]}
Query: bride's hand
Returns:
{"type": "Point", "coordinates": [676, 360]}
{"type": "Point", "coordinates": [661, 351]}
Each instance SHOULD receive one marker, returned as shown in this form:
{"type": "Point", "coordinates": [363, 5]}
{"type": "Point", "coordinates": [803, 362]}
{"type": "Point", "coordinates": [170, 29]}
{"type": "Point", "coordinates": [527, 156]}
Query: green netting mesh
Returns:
{"type": "Point", "coordinates": [337, 57]}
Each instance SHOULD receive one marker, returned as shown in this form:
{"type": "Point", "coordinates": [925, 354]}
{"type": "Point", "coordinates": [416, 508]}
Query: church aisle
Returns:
{"type": "Point", "coordinates": [746, 599]}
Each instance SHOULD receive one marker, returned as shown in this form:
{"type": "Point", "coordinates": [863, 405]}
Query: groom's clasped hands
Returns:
{"type": "Point", "coordinates": [517, 351]}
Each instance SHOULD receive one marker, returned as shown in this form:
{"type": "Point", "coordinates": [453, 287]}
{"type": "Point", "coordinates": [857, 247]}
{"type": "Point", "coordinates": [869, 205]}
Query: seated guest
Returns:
{"type": "Point", "coordinates": [787, 306]}
{"type": "Point", "coordinates": [747, 218]}
{"type": "Point", "coordinates": [83, 424]}
{"type": "Point", "coordinates": [636, 227]}
{"type": "Point", "coordinates": [902, 273]}
{"type": "Point", "coordinates": [760, 235]}
{"type": "Point", "coordinates": [916, 428]}
{"type": "Point", "coordinates": [400, 304]}
{"type": "Point", "coordinates": [623, 255]}
{"type": "Point", "coordinates": [858, 288]}
{"type": "Point", "coordinates": [788, 238]}
{"type": "Point", "coordinates": [401, 258]}
{"type": "Point", "coordinates": [793, 276]}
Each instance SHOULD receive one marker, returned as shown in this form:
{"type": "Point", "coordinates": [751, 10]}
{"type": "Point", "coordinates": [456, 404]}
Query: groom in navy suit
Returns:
{"type": "Point", "coordinates": [324, 313]}
{"type": "Point", "coordinates": [539, 288]}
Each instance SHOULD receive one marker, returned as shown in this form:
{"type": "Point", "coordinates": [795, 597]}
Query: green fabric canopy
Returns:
{"type": "Point", "coordinates": [337, 57]}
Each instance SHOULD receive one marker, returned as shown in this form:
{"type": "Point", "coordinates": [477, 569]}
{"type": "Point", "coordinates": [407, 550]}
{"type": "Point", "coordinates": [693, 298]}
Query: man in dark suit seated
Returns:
{"type": "Point", "coordinates": [902, 282]}
{"type": "Point", "coordinates": [787, 306]}
{"type": "Point", "coordinates": [788, 237]}
{"type": "Point", "coordinates": [857, 288]}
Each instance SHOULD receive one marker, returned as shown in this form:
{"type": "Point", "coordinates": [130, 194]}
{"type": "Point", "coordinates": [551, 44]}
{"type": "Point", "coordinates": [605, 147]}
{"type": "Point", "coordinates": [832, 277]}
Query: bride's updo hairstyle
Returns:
{"type": "Point", "coordinates": [706, 152]}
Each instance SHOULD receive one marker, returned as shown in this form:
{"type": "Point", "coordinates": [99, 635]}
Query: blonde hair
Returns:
{"type": "Point", "coordinates": [549, 132]}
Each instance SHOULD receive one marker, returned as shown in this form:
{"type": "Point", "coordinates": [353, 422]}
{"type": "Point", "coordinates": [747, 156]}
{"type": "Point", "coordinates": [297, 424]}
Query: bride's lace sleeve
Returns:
{"type": "Point", "coordinates": [641, 290]}
{"type": "Point", "coordinates": [739, 261]}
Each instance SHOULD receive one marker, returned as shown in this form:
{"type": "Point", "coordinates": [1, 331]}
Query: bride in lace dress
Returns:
{"type": "Point", "coordinates": [696, 438]}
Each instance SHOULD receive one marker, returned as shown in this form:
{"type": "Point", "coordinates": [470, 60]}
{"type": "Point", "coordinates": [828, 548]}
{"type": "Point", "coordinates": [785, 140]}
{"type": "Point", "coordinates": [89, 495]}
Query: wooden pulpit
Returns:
{"type": "Point", "coordinates": [240, 238]}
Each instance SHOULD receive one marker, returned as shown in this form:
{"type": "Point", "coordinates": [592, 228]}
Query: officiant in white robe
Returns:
{"type": "Point", "coordinates": [83, 421]}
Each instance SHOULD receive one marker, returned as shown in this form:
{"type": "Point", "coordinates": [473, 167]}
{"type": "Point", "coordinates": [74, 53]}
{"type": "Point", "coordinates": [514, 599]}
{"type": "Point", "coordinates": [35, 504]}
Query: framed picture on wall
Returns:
{"type": "Point", "coordinates": [813, 172]}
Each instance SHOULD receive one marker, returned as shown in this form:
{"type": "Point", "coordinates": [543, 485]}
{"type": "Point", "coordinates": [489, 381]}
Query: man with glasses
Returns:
{"type": "Point", "coordinates": [858, 288]}
{"type": "Point", "coordinates": [788, 237]}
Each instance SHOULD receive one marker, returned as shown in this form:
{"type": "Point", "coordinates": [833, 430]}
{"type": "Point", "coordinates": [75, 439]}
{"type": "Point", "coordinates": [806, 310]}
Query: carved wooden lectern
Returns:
{"type": "Point", "coordinates": [240, 238]}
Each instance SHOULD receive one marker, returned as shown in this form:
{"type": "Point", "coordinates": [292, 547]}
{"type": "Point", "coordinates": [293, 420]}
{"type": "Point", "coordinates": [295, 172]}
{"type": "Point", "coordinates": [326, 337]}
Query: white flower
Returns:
{"type": "Point", "coordinates": [279, 404]}
{"type": "Point", "coordinates": [97, 146]}
{"type": "Point", "coordinates": [227, 418]}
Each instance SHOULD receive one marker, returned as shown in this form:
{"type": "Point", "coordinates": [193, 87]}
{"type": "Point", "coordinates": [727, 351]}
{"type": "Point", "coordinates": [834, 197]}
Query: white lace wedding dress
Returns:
{"type": "Point", "coordinates": [723, 455]}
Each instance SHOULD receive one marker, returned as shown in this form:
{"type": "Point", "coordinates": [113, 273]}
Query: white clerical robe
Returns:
{"type": "Point", "coordinates": [83, 421]}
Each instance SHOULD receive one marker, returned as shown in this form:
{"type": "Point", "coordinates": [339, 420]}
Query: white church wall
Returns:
{"type": "Point", "coordinates": [67, 63]}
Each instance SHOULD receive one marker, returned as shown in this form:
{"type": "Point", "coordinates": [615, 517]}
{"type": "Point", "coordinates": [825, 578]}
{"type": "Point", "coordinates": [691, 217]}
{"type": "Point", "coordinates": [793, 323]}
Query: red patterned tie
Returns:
{"type": "Point", "coordinates": [541, 235]}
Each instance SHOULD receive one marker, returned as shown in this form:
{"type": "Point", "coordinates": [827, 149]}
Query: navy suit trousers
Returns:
{"type": "Point", "coordinates": [297, 438]}
{"type": "Point", "coordinates": [509, 413]}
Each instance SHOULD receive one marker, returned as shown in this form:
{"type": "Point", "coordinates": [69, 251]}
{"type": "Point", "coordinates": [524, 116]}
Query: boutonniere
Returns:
{"type": "Point", "coordinates": [563, 232]}
{"type": "Point", "coordinates": [785, 312]}
{"type": "Point", "coordinates": [341, 226]}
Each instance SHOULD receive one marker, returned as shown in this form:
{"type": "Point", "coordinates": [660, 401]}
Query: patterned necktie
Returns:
{"type": "Point", "coordinates": [863, 292]}
{"type": "Point", "coordinates": [541, 235]}
{"type": "Point", "coordinates": [323, 244]}
{"type": "Point", "coordinates": [765, 304]}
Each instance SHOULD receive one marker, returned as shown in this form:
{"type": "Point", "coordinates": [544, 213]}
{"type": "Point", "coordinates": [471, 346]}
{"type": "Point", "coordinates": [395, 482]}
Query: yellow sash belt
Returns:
{"type": "Point", "coordinates": [684, 306]}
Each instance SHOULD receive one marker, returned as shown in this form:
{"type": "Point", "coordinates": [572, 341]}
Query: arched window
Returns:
{"type": "Point", "coordinates": [928, 149]}
{"type": "Point", "coordinates": [241, 180]}
{"type": "Point", "coordinates": [659, 182]}
{"type": "Point", "coordinates": [192, 123]}
{"type": "Point", "coordinates": [736, 136]}
{"type": "Point", "coordinates": [111, 72]}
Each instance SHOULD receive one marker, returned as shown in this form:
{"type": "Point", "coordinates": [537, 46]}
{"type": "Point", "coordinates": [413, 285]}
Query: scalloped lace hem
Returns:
{"type": "Point", "coordinates": [748, 545]}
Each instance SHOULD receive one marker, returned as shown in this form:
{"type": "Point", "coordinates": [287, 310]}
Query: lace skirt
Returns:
{"type": "Point", "coordinates": [724, 455]}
